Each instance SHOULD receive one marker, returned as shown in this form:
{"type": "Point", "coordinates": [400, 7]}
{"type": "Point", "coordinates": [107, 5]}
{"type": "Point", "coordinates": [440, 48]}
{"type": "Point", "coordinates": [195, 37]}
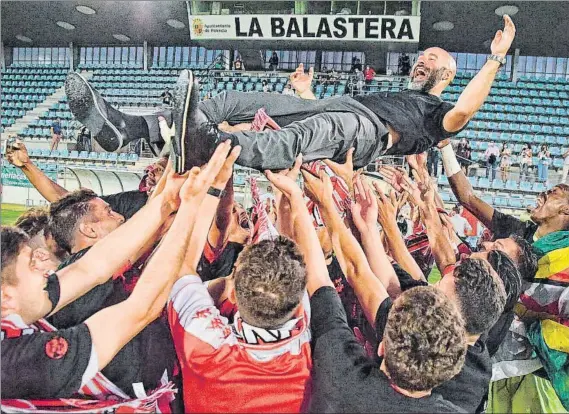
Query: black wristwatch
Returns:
{"type": "Point", "coordinates": [215, 192]}
{"type": "Point", "coordinates": [499, 59]}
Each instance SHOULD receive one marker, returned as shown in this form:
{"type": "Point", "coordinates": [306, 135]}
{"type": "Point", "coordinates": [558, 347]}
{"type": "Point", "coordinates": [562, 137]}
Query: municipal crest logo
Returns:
{"type": "Point", "coordinates": [197, 27]}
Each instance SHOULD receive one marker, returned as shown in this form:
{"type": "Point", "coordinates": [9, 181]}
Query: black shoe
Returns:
{"type": "Point", "coordinates": [89, 108]}
{"type": "Point", "coordinates": [196, 137]}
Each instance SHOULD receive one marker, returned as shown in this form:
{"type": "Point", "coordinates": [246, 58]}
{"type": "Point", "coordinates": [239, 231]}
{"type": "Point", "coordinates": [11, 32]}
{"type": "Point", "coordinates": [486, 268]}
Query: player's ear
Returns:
{"type": "Point", "coordinates": [87, 230]}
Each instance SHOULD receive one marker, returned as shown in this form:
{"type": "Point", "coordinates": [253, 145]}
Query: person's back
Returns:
{"type": "Point", "coordinates": [240, 367]}
{"type": "Point", "coordinates": [345, 380]}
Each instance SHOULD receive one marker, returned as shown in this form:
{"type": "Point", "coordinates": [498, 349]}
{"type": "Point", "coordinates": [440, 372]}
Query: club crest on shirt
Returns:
{"type": "Point", "coordinates": [56, 348]}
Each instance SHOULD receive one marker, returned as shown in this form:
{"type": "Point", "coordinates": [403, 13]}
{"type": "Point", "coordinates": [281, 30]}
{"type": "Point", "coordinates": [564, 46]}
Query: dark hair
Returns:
{"type": "Point", "coordinates": [424, 340]}
{"type": "Point", "coordinates": [481, 297]}
{"type": "Point", "coordinates": [527, 262]}
{"type": "Point", "coordinates": [12, 242]}
{"type": "Point", "coordinates": [33, 221]}
{"type": "Point", "coordinates": [65, 215]}
{"type": "Point", "coordinates": [270, 279]}
{"type": "Point", "coordinates": [509, 275]}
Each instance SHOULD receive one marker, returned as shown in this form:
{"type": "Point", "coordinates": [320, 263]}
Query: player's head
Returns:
{"type": "Point", "coordinates": [478, 292]}
{"type": "Point", "coordinates": [517, 249]}
{"type": "Point", "coordinates": [553, 207]}
{"type": "Point", "coordinates": [433, 71]}
{"type": "Point", "coordinates": [270, 279]}
{"type": "Point", "coordinates": [24, 276]}
{"type": "Point", "coordinates": [424, 342]}
{"type": "Point", "coordinates": [241, 227]}
{"type": "Point", "coordinates": [35, 223]}
{"type": "Point", "coordinates": [153, 174]}
{"type": "Point", "coordinates": [80, 219]}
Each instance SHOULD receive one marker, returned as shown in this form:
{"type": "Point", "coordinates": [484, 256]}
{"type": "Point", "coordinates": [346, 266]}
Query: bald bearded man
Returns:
{"type": "Point", "coordinates": [376, 124]}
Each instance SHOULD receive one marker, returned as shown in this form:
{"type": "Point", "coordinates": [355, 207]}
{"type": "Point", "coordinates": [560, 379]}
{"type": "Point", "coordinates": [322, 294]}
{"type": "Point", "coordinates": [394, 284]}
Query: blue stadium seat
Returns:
{"type": "Point", "coordinates": [498, 184]}
{"type": "Point", "coordinates": [511, 185]}
{"type": "Point", "coordinates": [484, 182]}
{"type": "Point", "coordinates": [83, 155]}
{"type": "Point", "coordinates": [539, 187]}
{"type": "Point", "coordinates": [487, 197]}
{"type": "Point", "coordinates": [515, 202]}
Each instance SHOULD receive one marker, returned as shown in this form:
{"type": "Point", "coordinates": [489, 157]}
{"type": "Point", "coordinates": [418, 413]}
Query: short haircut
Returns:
{"type": "Point", "coordinates": [270, 280]}
{"type": "Point", "coordinates": [424, 340]}
{"type": "Point", "coordinates": [527, 262]}
{"type": "Point", "coordinates": [509, 275]}
{"type": "Point", "coordinates": [481, 296]}
{"type": "Point", "coordinates": [34, 221]}
{"type": "Point", "coordinates": [13, 239]}
{"type": "Point", "coordinates": [66, 213]}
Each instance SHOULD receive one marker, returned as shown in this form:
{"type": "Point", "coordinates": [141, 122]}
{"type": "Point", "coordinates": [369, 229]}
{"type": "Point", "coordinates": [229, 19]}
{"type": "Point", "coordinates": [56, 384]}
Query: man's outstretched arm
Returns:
{"type": "Point", "coordinates": [462, 188]}
{"type": "Point", "coordinates": [113, 327]}
{"type": "Point", "coordinates": [17, 155]}
{"type": "Point", "coordinates": [473, 96]}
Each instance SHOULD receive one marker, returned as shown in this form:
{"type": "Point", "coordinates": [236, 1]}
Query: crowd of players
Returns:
{"type": "Point", "coordinates": [174, 297]}
{"type": "Point", "coordinates": [124, 299]}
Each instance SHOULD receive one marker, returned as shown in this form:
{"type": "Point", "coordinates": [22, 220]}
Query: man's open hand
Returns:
{"type": "Point", "coordinates": [504, 38]}
{"type": "Point", "coordinates": [364, 209]}
{"type": "Point", "coordinates": [301, 81]}
{"type": "Point", "coordinates": [318, 189]}
{"type": "Point", "coordinates": [346, 170]}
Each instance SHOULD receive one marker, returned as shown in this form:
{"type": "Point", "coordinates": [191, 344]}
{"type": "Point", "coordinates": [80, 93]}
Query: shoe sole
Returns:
{"type": "Point", "coordinates": [85, 107]}
{"type": "Point", "coordinates": [180, 141]}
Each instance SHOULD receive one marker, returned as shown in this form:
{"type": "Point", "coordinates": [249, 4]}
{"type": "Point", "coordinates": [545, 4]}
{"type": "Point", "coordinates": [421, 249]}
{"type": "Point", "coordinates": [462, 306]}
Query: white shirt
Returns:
{"type": "Point", "coordinates": [460, 224]}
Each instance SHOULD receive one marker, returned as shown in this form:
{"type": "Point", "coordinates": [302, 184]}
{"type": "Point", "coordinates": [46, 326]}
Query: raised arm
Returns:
{"type": "Point", "coordinates": [439, 242]}
{"type": "Point", "coordinates": [303, 231]}
{"type": "Point", "coordinates": [219, 230]}
{"type": "Point", "coordinates": [364, 215]}
{"type": "Point", "coordinates": [473, 96]}
{"type": "Point", "coordinates": [105, 258]}
{"type": "Point", "coordinates": [302, 82]}
{"type": "Point", "coordinates": [111, 328]}
{"type": "Point", "coordinates": [208, 208]}
{"type": "Point", "coordinates": [369, 290]}
{"type": "Point", "coordinates": [17, 155]}
{"type": "Point", "coordinates": [462, 188]}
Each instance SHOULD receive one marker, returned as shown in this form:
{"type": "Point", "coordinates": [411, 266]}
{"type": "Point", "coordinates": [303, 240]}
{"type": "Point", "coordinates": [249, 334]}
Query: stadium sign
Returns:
{"type": "Point", "coordinates": [15, 178]}
{"type": "Point", "coordinates": [314, 27]}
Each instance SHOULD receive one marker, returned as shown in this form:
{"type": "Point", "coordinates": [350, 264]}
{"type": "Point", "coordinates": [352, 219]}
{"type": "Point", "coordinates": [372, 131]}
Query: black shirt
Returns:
{"type": "Point", "coordinates": [126, 203]}
{"type": "Point", "coordinates": [416, 116]}
{"type": "Point", "coordinates": [469, 387]}
{"type": "Point", "coordinates": [143, 359]}
{"type": "Point", "coordinates": [47, 364]}
{"type": "Point", "coordinates": [343, 378]}
{"type": "Point", "coordinates": [223, 265]}
{"type": "Point", "coordinates": [504, 225]}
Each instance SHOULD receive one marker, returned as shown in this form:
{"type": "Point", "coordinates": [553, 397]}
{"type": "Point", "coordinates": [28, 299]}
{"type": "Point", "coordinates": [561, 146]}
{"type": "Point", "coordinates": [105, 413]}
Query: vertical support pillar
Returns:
{"type": "Point", "coordinates": [145, 56]}
{"type": "Point", "coordinates": [2, 56]}
{"type": "Point", "coordinates": [515, 63]}
{"type": "Point", "coordinates": [71, 57]}
{"type": "Point", "coordinates": [416, 8]}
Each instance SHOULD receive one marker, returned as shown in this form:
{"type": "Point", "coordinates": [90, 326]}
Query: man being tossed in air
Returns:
{"type": "Point", "coordinates": [377, 124]}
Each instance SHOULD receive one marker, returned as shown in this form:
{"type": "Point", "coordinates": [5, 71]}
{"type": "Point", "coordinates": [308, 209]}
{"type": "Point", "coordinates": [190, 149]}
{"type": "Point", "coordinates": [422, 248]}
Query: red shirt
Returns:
{"type": "Point", "coordinates": [238, 367]}
{"type": "Point", "coordinates": [369, 74]}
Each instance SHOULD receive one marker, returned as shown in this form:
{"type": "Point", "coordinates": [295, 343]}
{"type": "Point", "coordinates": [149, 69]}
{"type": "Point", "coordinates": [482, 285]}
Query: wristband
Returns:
{"type": "Point", "coordinates": [215, 192]}
{"type": "Point", "coordinates": [53, 290]}
{"type": "Point", "coordinates": [450, 163]}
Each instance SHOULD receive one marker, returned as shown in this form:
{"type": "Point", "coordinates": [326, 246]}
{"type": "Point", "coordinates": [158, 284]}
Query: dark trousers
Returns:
{"type": "Point", "coordinates": [318, 129]}
{"type": "Point", "coordinates": [433, 163]}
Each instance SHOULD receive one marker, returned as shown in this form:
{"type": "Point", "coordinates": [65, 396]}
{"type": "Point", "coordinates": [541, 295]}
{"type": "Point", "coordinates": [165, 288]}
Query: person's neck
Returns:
{"type": "Point", "coordinates": [82, 244]}
{"type": "Point", "coordinates": [407, 393]}
{"type": "Point", "coordinates": [556, 224]}
{"type": "Point", "coordinates": [471, 339]}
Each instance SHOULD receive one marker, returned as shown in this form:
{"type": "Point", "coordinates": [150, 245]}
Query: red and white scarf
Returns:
{"type": "Point", "coordinates": [101, 395]}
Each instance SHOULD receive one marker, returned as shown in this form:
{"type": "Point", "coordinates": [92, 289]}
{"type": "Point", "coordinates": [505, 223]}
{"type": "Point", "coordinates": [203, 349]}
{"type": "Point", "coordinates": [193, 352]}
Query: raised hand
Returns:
{"type": "Point", "coordinates": [286, 185]}
{"type": "Point", "coordinates": [226, 171]}
{"type": "Point", "coordinates": [346, 170]}
{"type": "Point", "coordinates": [393, 176]}
{"type": "Point", "coordinates": [301, 81]}
{"type": "Point", "coordinates": [17, 154]}
{"type": "Point", "coordinates": [417, 161]}
{"type": "Point", "coordinates": [387, 206]}
{"type": "Point", "coordinates": [504, 38]}
{"type": "Point", "coordinates": [318, 189]}
{"type": "Point", "coordinates": [200, 179]}
{"type": "Point", "coordinates": [295, 170]}
{"type": "Point", "coordinates": [364, 209]}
